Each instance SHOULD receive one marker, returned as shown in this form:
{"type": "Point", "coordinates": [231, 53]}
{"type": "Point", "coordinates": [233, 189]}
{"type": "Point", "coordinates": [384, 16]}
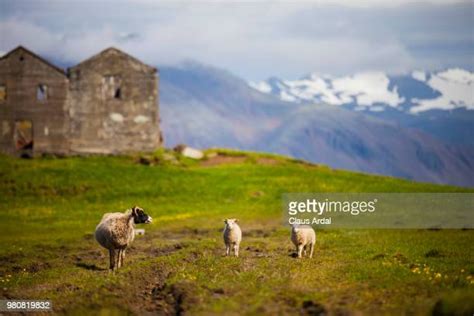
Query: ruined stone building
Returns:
{"type": "Point", "coordinates": [107, 104]}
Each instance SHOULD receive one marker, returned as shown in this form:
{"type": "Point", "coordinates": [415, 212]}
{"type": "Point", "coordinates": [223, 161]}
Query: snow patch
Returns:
{"type": "Point", "coordinates": [287, 97]}
{"type": "Point", "coordinates": [364, 88]}
{"type": "Point", "coordinates": [457, 90]}
{"type": "Point", "coordinates": [261, 86]}
{"type": "Point", "coordinates": [368, 88]}
{"type": "Point", "coordinates": [457, 75]}
{"type": "Point", "coordinates": [419, 75]}
{"type": "Point", "coordinates": [373, 90]}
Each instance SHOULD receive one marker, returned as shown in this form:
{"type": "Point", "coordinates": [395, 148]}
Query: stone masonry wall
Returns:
{"type": "Point", "coordinates": [113, 105]}
{"type": "Point", "coordinates": [20, 75]}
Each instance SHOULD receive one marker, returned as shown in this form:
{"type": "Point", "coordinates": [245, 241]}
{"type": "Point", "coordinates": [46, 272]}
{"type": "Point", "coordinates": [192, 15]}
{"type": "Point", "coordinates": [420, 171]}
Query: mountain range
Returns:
{"type": "Point", "coordinates": [440, 103]}
{"type": "Point", "coordinates": [409, 126]}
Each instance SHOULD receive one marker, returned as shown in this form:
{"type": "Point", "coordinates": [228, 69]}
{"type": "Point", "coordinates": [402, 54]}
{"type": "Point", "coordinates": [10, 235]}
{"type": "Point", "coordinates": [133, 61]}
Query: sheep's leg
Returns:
{"type": "Point", "coordinates": [119, 258]}
{"type": "Point", "coordinates": [122, 258]}
{"type": "Point", "coordinates": [304, 250]}
{"type": "Point", "coordinates": [311, 249]}
{"type": "Point", "coordinates": [112, 259]}
{"type": "Point", "coordinates": [236, 250]}
{"type": "Point", "coordinates": [227, 249]}
{"type": "Point", "coordinates": [300, 250]}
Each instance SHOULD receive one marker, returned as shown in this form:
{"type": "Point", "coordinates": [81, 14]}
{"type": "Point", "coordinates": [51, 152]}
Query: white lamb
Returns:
{"type": "Point", "coordinates": [303, 237]}
{"type": "Point", "coordinates": [232, 236]}
{"type": "Point", "coordinates": [116, 231]}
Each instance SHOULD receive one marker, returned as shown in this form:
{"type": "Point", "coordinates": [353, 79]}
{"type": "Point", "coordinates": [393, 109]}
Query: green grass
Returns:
{"type": "Point", "coordinates": [50, 208]}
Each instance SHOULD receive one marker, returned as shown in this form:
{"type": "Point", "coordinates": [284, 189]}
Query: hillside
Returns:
{"type": "Point", "coordinates": [203, 106]}
{"type": "Point", "coordinates": [350, 140]}
{"type": "Point", "coordinates": [51, 207]}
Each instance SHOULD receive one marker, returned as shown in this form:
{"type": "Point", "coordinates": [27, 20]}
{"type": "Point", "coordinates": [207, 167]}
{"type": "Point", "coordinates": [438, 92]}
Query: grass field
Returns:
{"type": "Point", "coordinates": [50, 208]}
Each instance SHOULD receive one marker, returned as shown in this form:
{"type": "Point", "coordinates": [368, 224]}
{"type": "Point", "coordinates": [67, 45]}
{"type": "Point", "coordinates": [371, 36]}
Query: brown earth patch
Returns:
{"type": "Point", "coordinates": [229, 160]}
{"type": "Point", "coordinates": [223, 160]}
{"type": "Point", "coordinates": [259, 232]}
{"type": "Point", "coordinates": [186, 232]}
{"type": "Point", "coordinates": [267, 161]}
{"type": "Point", "coordinates": [313, 308]}
{"type": "Point", "coordinates": [163, 251]}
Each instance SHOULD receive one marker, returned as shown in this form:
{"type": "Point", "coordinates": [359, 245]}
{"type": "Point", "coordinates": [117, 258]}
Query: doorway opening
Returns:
{"type": "Point", "coordinates": [23, 138]}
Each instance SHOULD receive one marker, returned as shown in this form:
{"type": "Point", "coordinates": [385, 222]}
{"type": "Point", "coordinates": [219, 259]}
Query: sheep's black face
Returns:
{"type": "Point", "coordinates": [139, 216]}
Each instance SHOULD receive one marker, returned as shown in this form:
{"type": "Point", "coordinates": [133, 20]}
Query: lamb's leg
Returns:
{"type": "Point", "coordinates": [304, 250]}
{"type": "Point", "coordinates": [227, 249]}
{"type": "Point", "coordinates": [300, 250]}
{"type": "Point", "coordinates": [311, 249]}
{"type": "Point", "coordinates": [112, 259]}
{"type": "Point", "coordinates": [236, 250]}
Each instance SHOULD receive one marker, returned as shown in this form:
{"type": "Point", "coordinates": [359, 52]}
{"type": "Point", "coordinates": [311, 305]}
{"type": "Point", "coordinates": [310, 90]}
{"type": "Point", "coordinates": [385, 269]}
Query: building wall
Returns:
{"type": "Point", "coordinates": [21, 73]}
{"type": "Point", "coordinates": [104, 123]}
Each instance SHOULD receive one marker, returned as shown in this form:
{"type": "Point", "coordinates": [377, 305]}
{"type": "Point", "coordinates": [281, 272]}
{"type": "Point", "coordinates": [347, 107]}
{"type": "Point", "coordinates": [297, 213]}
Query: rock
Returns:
{"type": "Point", "coordinates": [189, 152]}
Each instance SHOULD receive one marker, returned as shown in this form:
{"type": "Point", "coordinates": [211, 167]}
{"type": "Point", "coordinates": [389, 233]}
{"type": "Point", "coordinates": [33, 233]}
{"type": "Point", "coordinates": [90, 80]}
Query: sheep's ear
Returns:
{"type": "Point", "coordinates": [225, 221]}
{"type": "Point", "coordinates": [134, 210]}
{"type": "Point", "coordinates": [236, 220]}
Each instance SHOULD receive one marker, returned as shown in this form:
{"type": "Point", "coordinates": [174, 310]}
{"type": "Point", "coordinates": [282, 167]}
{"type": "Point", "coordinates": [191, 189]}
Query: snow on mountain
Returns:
{"type": "Point", "coordinates": [452, 88]}
{"type": "Point", "coordinates": [456, 87]}
{"type": "Point", "coordinates": [367, 89]}
{"type": "Point", "coordinates": [261, 86]}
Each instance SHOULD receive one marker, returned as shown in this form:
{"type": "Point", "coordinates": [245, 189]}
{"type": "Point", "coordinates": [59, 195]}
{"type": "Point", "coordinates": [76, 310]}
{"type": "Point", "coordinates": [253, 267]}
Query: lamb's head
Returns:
{"type": "Point", "coordinates": [296, 227]}
{"type": "Point", "coordinates": [139, 216]}
{"type": "Point", "coordinates": [230, 222]}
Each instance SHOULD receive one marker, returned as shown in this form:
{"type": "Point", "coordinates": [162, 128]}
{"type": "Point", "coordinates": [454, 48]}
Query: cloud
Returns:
{"type": "Point", "coordinates": [252, 39]}
{"type": "Point", "coordinates": [54, 44]}
{"type": "Point", "coordinates": [384, 3]}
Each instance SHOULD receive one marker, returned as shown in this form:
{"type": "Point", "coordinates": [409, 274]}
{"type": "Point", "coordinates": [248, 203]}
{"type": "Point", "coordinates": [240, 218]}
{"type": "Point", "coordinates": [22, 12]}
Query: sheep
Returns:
{"type": "Point", "coordinates": [303, 236]}
{"type": "Point", "coordinates": [116, 231]}
{"type": "Point", "coordinates": [232, 236]}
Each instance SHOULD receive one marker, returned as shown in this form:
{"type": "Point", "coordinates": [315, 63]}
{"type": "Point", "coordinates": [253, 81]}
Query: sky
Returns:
{"type": "Point", "coordinates": [253, 39]}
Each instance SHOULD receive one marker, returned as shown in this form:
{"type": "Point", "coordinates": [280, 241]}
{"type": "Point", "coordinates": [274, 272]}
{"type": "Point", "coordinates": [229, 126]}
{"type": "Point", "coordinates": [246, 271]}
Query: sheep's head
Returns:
{"type": "Point", "coordinates": [230, 222]}
{"type": "Point", "coordinates": [139, 216]}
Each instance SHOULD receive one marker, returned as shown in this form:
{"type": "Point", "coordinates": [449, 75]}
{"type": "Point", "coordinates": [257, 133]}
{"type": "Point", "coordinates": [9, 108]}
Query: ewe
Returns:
{"type": "Point", "coordinates": [116, 231]}
{"type": "Point", "coordinates": [232, 236]}
{"type": "Point", "coordinates": [302, 237]}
